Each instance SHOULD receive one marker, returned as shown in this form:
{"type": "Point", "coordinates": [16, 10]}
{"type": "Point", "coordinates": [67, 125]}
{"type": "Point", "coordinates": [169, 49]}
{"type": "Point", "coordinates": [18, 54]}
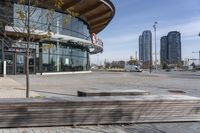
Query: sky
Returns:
{"type": "Point", "coordinates": [132, 17]}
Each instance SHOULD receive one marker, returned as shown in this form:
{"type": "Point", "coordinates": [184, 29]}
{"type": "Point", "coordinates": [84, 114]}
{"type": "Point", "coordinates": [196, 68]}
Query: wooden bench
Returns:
{"type": "Point", "coordinates": [92, 92]}
{"type": "Point", "coordinates": [98, 110]}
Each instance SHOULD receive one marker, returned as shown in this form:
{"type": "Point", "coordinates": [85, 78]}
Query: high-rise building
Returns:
{"type": "Point", "coordinates": [170, 49]}
{"type": "Point", "coordinates": [174, 47]}
{"type": "Point", "coordinates": [141, 57]}
{"type": "Point", "coordinates": [145, 43]}
{"type": "Point", "coordinates": [163, 50]}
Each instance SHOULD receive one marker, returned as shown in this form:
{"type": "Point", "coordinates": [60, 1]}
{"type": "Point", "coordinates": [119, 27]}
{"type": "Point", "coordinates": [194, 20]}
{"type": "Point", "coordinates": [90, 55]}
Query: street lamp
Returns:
{"type": "Point", "coordinates": [154, 26]}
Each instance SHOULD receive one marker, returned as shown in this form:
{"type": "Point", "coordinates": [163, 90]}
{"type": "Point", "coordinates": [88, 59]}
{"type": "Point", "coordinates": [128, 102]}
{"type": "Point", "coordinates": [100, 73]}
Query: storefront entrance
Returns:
{"type": "Point", "coordinates": [15, 62]}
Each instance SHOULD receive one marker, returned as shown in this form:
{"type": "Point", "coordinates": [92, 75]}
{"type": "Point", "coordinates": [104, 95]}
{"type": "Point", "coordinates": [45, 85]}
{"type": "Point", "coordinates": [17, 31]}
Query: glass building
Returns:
{"type": "Point", "coordinates": [141, 57]}
{"type": "Point", "coordinates": [69, 44]}
{"type": "Point", "coordinates": [145, 44]}
{"type": "Point", "coordinates": [163, 50]}
{"type": "Point", "coordinates": [174, 47]}
{"type": "Point", "coordinates": [170, 51]}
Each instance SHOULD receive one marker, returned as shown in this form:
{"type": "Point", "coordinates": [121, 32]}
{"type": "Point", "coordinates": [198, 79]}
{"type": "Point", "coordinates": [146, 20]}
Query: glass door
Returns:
{"type": "Point", "coordinates": [1, 63]}
{"type": "Point", "coordinates": [32, 64]}
{"type": "Point", "coordinates": [20, 63]}
{"type": "Point", "coordinates": [9, 58]}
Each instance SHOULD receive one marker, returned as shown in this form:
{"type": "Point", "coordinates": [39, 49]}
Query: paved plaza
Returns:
{"type": "Point", "coordinates": [136, 128]}
{"type": "Point", "coordinates": [62, 86]}
{"type": "Point", "coordinates": [67, 85]}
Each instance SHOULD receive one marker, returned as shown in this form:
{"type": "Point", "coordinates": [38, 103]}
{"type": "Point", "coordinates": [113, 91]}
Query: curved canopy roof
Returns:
{"type": "Point", "coordinates": [97, 13]}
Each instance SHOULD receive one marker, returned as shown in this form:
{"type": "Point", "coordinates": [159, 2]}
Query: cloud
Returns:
{"type": "Point", "coordinates": [124, 43]}
{"type": "Point", "coordinates": [121, 39]}
{"type": "Point", "coordinates": [188, 29]}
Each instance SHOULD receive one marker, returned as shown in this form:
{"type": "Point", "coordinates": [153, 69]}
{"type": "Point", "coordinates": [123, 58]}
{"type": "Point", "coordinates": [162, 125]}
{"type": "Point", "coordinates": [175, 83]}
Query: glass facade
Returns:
{"type": "Point", "coordinates": [48, 56]}
{"type": "Point", "coordinates": [59, 58]}
{"type": "Point", "coordinates": [59, 23]}
{"type": "Point", "coordinates": [163, 50]}
{"type": "Point", "coordinates": [174, 47]}
{"type": "Point", "coordinates": [145, 42]}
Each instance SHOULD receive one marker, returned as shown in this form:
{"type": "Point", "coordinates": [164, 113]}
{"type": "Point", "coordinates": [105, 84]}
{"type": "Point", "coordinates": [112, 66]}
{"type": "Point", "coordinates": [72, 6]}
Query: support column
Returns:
{"type": "Point", "coordinates": [40, 58]}
{"type": "Point", "coordinates": [57, 57]}
{"type": "Point", "coordinates": [3, 63]}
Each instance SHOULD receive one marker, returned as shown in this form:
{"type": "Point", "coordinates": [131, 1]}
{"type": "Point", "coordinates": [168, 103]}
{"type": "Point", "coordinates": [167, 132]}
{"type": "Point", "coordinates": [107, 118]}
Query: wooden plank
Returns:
{"type": "Point", "coordinates": [98, 110]}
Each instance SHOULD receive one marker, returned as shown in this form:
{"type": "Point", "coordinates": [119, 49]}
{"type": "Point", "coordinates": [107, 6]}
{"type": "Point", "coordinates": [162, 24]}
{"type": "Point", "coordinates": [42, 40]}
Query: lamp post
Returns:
{"type": "Point", "coordinates": [154, 26]}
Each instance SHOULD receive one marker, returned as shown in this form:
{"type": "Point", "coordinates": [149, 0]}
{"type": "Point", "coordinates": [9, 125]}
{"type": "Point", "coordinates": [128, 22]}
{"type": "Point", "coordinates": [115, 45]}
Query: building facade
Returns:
{"type": "Point", "coordinates": [170, 51]}
{"type": "Point", "coordinates": [174, 47]}
{"type": "Point", "coordinates": [163, 50]}
{"type": "Point", "coordinates": [141, 57]}
{"type": "Point", "coordinates": [145, 44]}
{"type": "Point", "coordinates": [70, 44]}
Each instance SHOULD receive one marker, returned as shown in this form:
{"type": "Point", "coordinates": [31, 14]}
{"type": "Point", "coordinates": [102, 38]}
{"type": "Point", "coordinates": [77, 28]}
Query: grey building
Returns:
{"type": "Point", "coordinates": [170, 51]}
{"type": "Point", "coordinates": [145, 43]}
{"type": "Point", "coordinates": [163, 50]}
{"type": "Point", "coordinates": [174, 47]}
{"type": "Point", "coordinates": [141, 57]}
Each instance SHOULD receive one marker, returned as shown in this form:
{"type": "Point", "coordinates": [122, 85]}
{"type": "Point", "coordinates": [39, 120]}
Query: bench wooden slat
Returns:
{"type": "Point", "coordinates": [98, 110]}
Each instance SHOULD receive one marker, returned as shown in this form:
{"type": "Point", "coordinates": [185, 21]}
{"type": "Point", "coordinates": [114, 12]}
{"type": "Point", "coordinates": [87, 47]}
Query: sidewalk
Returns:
{"type": "Point", "coordinates": [12, 89]}
{"type": "Point", "coordinates": [134, 128]}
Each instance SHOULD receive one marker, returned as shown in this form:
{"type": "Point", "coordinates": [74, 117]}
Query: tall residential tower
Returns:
{"type": "Point", "coordinates": [170, 50]}
{"type": "Point", "coordinates": [145, 43]}
{"type": "Point", "coordinates": [163, 50]}
{"type": "Point", "coordinates": [174, 47]}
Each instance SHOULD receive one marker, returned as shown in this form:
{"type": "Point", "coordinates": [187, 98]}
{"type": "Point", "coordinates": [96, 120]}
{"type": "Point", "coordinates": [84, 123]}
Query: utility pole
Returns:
{"type": "Point", "coordinates": [154, 26]}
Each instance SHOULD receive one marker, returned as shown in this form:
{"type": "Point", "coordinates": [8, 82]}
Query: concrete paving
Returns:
{"type": "Point", "coordinates": [136, 128]}
{"type": "Point", "coordinates": [62, 86]}
{"type": "Point", "coordinates": [67, 85]}
{"type": "Point", "coordinates": [10, 88]}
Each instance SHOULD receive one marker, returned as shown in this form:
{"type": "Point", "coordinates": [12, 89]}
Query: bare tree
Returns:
{"type": "Point", "coordinates": [23, 22]}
